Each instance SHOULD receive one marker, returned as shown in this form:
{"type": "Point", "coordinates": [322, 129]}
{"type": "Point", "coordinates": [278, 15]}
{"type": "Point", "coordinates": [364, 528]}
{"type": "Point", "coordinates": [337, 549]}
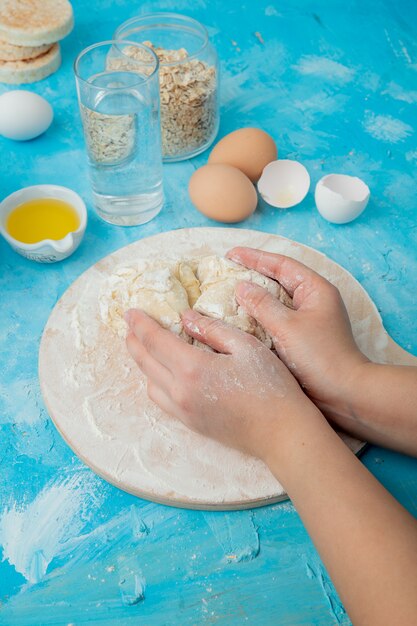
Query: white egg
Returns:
{"type": "Point", "coordinates": [24, 115]}
{"type": "Point", "coordinates": [341, 198]}
{"type": "Point", "coordinates": [284, 183]}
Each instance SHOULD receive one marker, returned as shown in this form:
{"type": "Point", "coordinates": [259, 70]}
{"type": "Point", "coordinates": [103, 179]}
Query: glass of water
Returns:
{"type": "Point", "coordinates": [118, 92]}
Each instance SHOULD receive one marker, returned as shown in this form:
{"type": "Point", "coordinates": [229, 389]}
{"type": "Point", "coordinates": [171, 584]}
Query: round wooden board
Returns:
{"type": "Point", "coordinates": [97, 398]}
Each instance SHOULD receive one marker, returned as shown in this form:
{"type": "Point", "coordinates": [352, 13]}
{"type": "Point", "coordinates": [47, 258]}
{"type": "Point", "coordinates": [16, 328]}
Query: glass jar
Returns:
{"type": "Point", "coordinates": [188, 80]}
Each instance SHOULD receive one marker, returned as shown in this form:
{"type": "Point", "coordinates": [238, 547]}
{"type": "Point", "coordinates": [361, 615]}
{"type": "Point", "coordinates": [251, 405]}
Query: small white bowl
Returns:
{"type": "Point", "coordinates": [341, 198]}
{"type": "Point", "coordinates": [47, 250]}
{"type": "Point", "coordinates": [284, 183]}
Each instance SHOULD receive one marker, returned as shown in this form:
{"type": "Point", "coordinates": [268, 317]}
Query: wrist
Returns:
{"type": "Point", "coordinates": [303, 422]}
{"type": "Point", "coordinates": [346, 388]}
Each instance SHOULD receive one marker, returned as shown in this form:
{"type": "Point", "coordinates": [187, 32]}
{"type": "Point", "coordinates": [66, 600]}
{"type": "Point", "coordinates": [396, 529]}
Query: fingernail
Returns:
{"type": "Point", "coordinates": [244, 288]}
{"type": "Point", "coordinates": [190, 316]}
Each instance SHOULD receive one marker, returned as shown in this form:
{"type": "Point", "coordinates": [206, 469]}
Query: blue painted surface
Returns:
{"type": "Point", "coordinates": [336, 84]}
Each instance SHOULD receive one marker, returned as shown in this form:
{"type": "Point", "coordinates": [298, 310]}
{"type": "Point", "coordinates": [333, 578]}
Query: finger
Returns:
{"type": "Point", "coordinates": [169, 406]}
{"type": "Point", "coordinates": [298, 279]}
{"type": "Point", "coordinates": [162, 399]}
{"type": "Point", "coordinates": [215, 333]}
{"type": "Point", "coordinates": [262, 305]}
{"type": "Point", "coordinates": [152, 369]}
{"type": "Point", "coordinates": [161, 344]}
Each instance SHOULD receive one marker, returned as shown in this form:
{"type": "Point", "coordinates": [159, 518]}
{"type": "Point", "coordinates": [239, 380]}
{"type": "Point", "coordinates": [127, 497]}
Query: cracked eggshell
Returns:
{"type": "Point", "coordinates": [341, 198]}
{"type": "Point", "coordinates": [284, 183]}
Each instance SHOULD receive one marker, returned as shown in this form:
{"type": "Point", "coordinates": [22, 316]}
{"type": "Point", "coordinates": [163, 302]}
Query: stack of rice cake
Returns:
{"type": "Point", "coordinates": [29, 32]}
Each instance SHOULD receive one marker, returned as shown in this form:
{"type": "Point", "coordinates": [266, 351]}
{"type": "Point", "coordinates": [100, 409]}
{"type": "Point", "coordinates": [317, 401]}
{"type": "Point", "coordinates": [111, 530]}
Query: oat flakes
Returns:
{"type": "Point", "coordinates": [109, 138]}
{"type": "Point", "coordinates": [188, 96]}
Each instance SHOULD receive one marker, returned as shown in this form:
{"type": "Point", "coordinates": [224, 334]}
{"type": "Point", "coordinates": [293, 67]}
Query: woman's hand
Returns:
{"type": "Point", "coordinates": [242, 396]}
{"type": "Point", "coordinates": [315, 340]}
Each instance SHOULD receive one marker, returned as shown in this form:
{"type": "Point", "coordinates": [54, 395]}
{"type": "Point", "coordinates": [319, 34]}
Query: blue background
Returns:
{"type": "Point", "coordinates": [336, 84]}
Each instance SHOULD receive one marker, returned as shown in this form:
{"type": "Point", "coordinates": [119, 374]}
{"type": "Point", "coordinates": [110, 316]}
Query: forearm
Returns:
{"type": "Point", "coordinates": [381, 406]}
{"type": "Point", "coordinates": [367, 541]}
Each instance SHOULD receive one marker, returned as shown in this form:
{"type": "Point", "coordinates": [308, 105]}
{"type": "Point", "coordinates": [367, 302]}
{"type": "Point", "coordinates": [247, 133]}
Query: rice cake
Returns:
{"type": "Point", "coordinates": [10, 52]}
{"type": "Point", "coordinates": [35, 22]}
{"type": "Point", "coordinates": [31, 70]}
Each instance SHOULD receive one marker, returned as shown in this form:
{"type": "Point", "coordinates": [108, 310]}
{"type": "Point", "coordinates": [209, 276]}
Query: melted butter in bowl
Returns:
{"type": "Point", "coordinates": [42, 218]}
{"type": "Point", "coordinates": [45, 223]}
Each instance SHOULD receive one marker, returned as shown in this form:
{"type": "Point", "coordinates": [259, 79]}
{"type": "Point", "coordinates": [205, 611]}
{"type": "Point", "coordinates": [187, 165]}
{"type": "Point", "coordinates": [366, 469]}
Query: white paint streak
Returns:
{"type": "Point", "coordinates": [212, 31]}
{"type": "Point", "coordinates": [386, 128]}
{"type": "Point", "coordinates": [391, 45]}
{"type": "Point", "coordinates": [411, 155]}
{"type": "Point", "coordinates": [232, 85]}
{"type": "Point", "coordinates": [268, 61]}
{"type": "Point", "coordinates": [401, 51]}
{"type": "Point", "coordinates": [404, 51]}
{"type": "Point", "coordinates": [401, 191]}
{"type": "Point", "coordinates": [34, 534]}
{"type": "Point", "coordinates": [399, 93]}
{"type": "Point", "coordinates": [20, 402]}
{"type": "Point", "coordinates": [325, 68]}
{"type": "Point", "coordinates": [370, 80]}
{"type": "Point", "coordinates": [270, 11]}
{"type": "Point", "coordinates": [321, 102]}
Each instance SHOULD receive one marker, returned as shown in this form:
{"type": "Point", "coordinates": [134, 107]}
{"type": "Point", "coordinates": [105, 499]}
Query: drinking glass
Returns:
{"type": "Point", "coordinates": [118, 93]}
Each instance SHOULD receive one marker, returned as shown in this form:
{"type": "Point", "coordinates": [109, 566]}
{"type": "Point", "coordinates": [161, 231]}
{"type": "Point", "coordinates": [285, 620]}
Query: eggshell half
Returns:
{"type": "Point", "coordinates": [248, 149]}
{"type": "Point", "coordinates": [284, 183]}
{"type": "Point", "coordinates": [223, 193]}
{"type": "Point", "coordinates": [341, 198]}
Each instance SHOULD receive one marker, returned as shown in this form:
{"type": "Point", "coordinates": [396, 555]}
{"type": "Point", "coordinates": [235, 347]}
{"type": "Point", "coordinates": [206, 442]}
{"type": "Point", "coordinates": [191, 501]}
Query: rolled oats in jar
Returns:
{"type": "Point", "coordinates": [188, 79]}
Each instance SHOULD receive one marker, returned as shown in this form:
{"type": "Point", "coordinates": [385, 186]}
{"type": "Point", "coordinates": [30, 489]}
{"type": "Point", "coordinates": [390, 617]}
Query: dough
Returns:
{"type": "Point", "coordinates": [185, 272]}
{"type": "Point", "coordinates": [165, 289]}
{"type": "Point", "coordinates": [218, 279]}
{"type": "Point", "coordinates": [153, 288]}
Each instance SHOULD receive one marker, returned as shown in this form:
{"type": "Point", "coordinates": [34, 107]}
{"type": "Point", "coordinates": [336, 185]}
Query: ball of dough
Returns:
{"type": "Point", "coordinates": [151, 287]}
{"type": "Point", "coordinates": [218, 279]}
{"type": "Point", "coordinates": [222, 193]}
{"type": "Point", "coordinates": [248, 149]}
{"type": "Point", "coordinates": [165, 289]}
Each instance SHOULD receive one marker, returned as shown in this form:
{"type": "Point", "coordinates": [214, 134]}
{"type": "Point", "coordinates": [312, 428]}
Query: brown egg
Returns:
{"type": "Point", "coordinates": [222, 193]}
{"type": "Point", "coordinates": [248, 149]}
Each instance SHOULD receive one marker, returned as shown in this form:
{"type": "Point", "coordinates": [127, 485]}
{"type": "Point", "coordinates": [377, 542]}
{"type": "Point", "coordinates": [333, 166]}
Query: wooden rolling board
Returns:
{"type": "Point", "coordinates": [97, 397]}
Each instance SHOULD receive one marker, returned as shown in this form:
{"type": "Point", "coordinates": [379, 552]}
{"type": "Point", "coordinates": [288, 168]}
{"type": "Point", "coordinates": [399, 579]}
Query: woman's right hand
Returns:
{"type": "Point", "coordinates": [315, 340]}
